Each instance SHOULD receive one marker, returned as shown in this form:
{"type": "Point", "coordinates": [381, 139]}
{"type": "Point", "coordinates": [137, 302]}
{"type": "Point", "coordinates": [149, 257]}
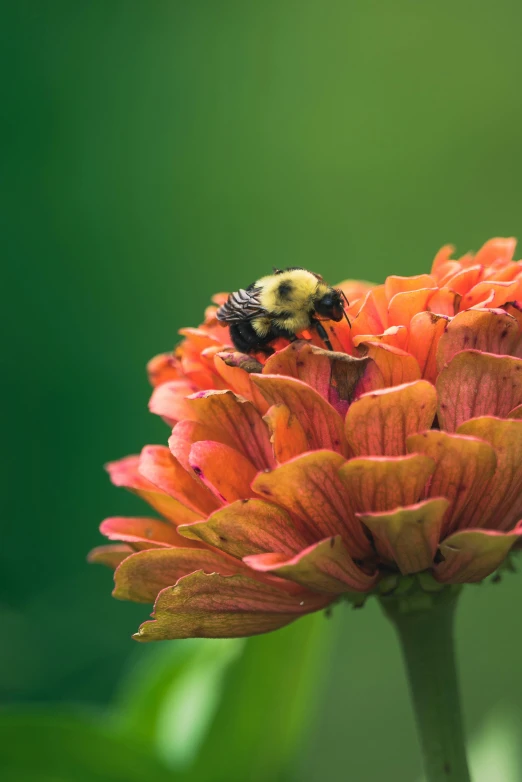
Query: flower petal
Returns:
{"type": "Point", "coordinates": [403, 306]}
{"type": "Point", "coordinates": [215, 606]}
{"type": "Point", "coordinates": [168, 400]}
{"type": "Point", "coordinates": [143, 575]}
{"type": "Point", "coordinates": [225, 471]}
{"type": "Point", "coordinates": [373, 315]}
{"type": "Point", "coordinates": [163, 368]}
{"type": "Point", "coordinates": [159, 466]}
{"type": "Point", "coordinates": [494, 293]}
{"type": "Point", "coordinates": [475, 384]}
{"type": "Point", "coordinates": [324, 567]}
{"type": "Point", "coordinates": [463, 465]}
{"type": "Point", "coordinates": [239, 422]}
{"type": "Point", "coordinates": [287, 435]}
{"type": "Point", "coordinates": [235, 369]}
{"type": "Point", "coordinates": [249, 527]}
{"type": "Point", "coordinates": [125, 473]}
{"type": "Point", "coordinates": [489, 331]}
{"type": "Point", "coordinates": [498, 503]}
{"type": "Point", "coordinates": [497, 248]}
{"type": "Point", "coordinates": [395, 284]}
{"type": "Point", "coordinates": [396, 366]}
{"type": "Point", "coordinates": [378, 423]}
{"type": "Point", "coordinates": [408, 536]}
{"type": "Point", "coordinates": [111, 556]}
{"type": "Point", "coordinates": [426, 329]}
{"type": "Point", "coordinates": [309, 487]}
{"type": "Point", "coordinates": [322, 425]}
{"type": "Point", "coordinates": [378, 483]}
{"type": "Point", "coordinates": [147, 533]}
{"type": "Point", "coordinates": [473, 554]}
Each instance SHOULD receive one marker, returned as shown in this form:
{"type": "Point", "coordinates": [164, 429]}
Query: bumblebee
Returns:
{"type": "Point", "coordinates": [281, 305]}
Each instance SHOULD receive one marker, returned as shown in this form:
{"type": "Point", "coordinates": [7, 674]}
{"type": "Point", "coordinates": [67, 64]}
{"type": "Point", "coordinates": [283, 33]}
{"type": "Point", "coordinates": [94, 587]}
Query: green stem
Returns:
{"type": "Point", "coordinates": [426, 636]}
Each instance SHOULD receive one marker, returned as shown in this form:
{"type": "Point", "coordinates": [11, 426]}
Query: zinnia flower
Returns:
{"type": "Point", "coordinates": [394, 460]}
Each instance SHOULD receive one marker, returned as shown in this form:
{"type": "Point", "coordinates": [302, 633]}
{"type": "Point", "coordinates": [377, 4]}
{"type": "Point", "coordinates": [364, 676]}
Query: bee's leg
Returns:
{"type": "Point", "coordinates": [322, 333]}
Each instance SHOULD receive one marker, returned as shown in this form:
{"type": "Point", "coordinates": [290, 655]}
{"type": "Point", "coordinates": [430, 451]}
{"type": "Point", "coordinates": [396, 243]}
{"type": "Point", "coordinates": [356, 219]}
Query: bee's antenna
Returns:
{"type": "Point", "coordinates": [343, 294]}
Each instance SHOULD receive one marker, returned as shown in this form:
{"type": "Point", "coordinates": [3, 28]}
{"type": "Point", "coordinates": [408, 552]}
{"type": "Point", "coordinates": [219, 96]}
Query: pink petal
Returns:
{"type": "Point", "coordinates": [144, 532]}
{"type": "Point", "coordinates": [475, 384]}
{"type": "Point", "coordinates": [323, 567]}
{"type": "Point", "coordinates": [226, 472]}
{"type": "Point", "coordinates": [111, 556]}
{"type": "Point", "coordinates": [408, 536]}
{"type": "Point", "coordinates": [378, 423]}
{"type": "Point", "coordinates": [168, 400]}
{"type": "Point", "coordinates": [214, 606]}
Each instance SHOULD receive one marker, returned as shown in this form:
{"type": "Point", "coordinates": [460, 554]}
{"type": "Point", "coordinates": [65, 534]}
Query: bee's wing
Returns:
{"type": "Point", "coordinates": [241, 305]}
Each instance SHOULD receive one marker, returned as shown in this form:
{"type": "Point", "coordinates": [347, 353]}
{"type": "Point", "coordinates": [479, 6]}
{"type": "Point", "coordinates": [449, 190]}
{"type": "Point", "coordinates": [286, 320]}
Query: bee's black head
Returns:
{"type": "Point", "coordinates": [330, 305]}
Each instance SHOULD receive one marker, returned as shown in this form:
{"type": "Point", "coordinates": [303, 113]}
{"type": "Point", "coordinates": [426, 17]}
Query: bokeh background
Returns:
{"type": "Point", "coordinates": [154, 153]}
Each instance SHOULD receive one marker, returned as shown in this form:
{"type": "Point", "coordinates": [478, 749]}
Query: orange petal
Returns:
{"type": "Point", "coordinates": [473, 554]}
{"type": "Point", "coordinates": [493, 249]}
{"type": "Point", "coordinates": [396, 336]}
{"type": "Point", "coordinates": [111, 556]}
{"type": "Point", "coordinates": [426, 329]}
{"type": "Point", "coordinates": [323, 567]}
{"type": "Point", "coordinates": [216, 606]}
{"type": "Point", "coordinates": [249, 527]}
{"type": "Point", "coordinates": [163, 368]}
{"type": "Point", "coordinates": [395, 284]}
{"type": "Point", "coordinates": [373, 315]}
{"type": "Point", "coordinates": [287, 435]}
{"type": "Point", "coordinates": [491, 292]}
{"type": "Point", "coordinates": [186, 433]}
{"type": "Point", "coordinates": [463, 280]}
{"type": "Point", "coordinates": [355, 289]}
{"type": "Point", "coordinates": [235, 369]}
{"type": "Point", "coordinates": [396, 366]}
{"type": "Point", "coordinates": [168, 400]}
{"type": "Point", "coordinates": [144, 532]}
{"type": "Point", "coordinates": [444, 301]}
{"type": "Point", "coordinates": [378, 423]}
{"type": "Point", "coordinates": [442, 257]}
{"type": "Point", "coordinates": [378, 483]}
{"type": "Point", "coordinates": [322, 425]}
{"type": "Point", "coordinates": [403, 306]}
{"type": "Point", "coordinates": [241, 425]}
{"type": "Point", "coordinates": [309, 487]}
{"type": "Point", "coordinates": [463, 465]}
{"type": "Point", "coordinates": [159, 466]}
{"type": "Point", "coordinates": [125, 472]}
{"type": "Point", "coordinates": [226, 472]}
{"type": "Point", "coordinates": [475, 384]}
{"type": "Point", "coordinates": [143, 575]}
{"type": "Point", "coordinates": [498, 503]}
{"type": "Point", "coordinates": [489, 331]}
{"type": "Point", "coordinates": [337, 377]}
{"type": "Point", "coordinates": [408, 536]}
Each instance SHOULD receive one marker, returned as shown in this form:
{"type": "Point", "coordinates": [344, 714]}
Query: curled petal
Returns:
{"type": "Point", "coordinates": [472, 555]}
{"type": "Point", "coordinates": [322, 425]}
{"type": "Point", "coordinates": [463, 466]}
{"type": "Point", "coordinates": [324, 567]}
{"type": "Point", "coordinates": [216, 606]}
{"type": "Point", "coordinates": [475, 384]}
{"type": "Point", "coordinates": [142, 532]}
{"type": "Point", "coordinates": [499, 248]}
{"type": "Point", "coordinates": [237, 420]}
{"type": "Point", "coordinates": [163, 368]}
{"type": "Point", "coordinates": [168, 400]}
{"type": "Point", "coordinates": [498, 502]}
{"type": "Point", "coordinates": [377, 424]}
{"type": "Point", "coordinates": [408, 536]}
{"type": "Point", "coordinates": [143, 575]}
{"type": "Point", "coordinates": [403, 306]}
{"type": "Point", "coordinates": [125, 472]}
{"type": "Point", "coordinates": [309, 488]}
{"type": "Point", "coordinates": [516, 412]}
{"type": "Point", "coordinates": [159, 466]}
{"type": "Point", "coordinates": [288, 437]}
{"type": "Point", "coordinates": [235, 369]}
{"type": "Point", "coordinates": [373, 315]}
{"type": "Point", "coordinates": [489, 331]}
{"type": "Point", "coordinates": [395, 284]}
{"type": "Point", "coordinates": [249, 527]}
{"type": "Point", "coordinates": [464, 279]}
{"type": "Point", "coordinates": [226, 472]}
{"type": "Point", "coordinates": [444, 302]}
{"type": "Point", "coordinates": [378, 483]}
{"type": "Point", "coordinates": [396, 336]}
{"type": "Point", "coordinates": [111, 556]}
{"type": "Point", "coordinates": [426, 329]}
{"type": "Point", "coordinates": [441, 258]}
{"type": "Point", "coordinates": [490, 293]}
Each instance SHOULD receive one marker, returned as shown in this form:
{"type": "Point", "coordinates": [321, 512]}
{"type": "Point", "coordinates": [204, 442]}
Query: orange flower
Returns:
{"type": "Point", "coordinates": [316, 474]}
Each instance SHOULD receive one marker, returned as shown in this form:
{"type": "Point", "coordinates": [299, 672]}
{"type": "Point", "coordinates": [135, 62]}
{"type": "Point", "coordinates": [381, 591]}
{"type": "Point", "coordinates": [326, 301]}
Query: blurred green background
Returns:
{"type": "Point", "coordinates": [152, 154]}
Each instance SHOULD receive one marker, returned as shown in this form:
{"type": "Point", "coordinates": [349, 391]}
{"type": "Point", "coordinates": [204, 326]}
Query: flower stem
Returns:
{"type": "Point", "coordinates": [426, 635]}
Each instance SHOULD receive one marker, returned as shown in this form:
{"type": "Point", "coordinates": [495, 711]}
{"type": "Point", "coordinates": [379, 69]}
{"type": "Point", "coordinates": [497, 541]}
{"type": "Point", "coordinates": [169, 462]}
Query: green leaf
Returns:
{"type": "Point", "coordinates": [171, 696]}
{"type": "Point", "coordinates": [61, 747]}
